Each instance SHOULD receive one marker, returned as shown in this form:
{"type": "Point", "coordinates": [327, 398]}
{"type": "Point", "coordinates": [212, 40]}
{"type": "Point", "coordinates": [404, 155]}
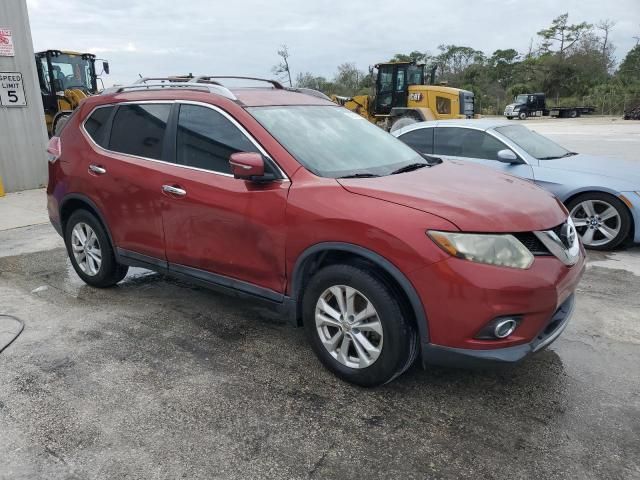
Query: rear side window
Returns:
{"type": "Point", "coordinates": [140, 129]}
{"type": "Point", "coordinates": [420, 140]}
{"type": "Point", "coordinates": [96, 125]}
{"type": "Point", "coordinates": [206, 139]}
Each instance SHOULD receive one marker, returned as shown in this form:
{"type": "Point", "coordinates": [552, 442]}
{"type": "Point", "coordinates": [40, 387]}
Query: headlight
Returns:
{"type": "Point", "coordinates": [503, 250]}
{"type": "Point", "coordinates": [516, 109]}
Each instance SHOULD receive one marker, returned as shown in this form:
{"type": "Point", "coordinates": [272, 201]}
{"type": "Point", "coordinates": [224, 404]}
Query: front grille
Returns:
{"type": "Point", "coordinates": [535, 246]}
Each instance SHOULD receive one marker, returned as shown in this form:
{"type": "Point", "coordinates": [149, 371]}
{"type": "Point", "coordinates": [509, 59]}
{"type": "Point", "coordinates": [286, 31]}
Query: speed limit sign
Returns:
{"type": "Point", "coordinates": [12, 90]}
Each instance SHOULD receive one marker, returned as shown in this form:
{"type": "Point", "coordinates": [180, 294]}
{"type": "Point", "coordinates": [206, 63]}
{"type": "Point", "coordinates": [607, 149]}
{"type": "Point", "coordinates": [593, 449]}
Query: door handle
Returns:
{"type": "Point", "coordinates": [98, 170]}
{"type": "Point", "coordinates": [180, 192]}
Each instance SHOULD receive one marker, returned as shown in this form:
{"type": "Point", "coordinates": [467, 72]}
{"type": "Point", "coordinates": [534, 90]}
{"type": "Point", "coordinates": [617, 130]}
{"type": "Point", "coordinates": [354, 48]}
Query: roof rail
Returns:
{"type": "Point", "coordinates": [309, 91]}
{"type": "Point", "coordinates": [161, 83]}
{"type": "Point", "coordinates": [214, 79]}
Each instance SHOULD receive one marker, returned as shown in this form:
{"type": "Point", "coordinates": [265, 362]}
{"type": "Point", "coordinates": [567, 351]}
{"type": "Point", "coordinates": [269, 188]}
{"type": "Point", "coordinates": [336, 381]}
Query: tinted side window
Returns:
{"type": "Point", "coordinates": [464, 142]}
{"type": "Point", "coordinates": [420, 139]}
{"type": "Point", "coordinates": [96, 125]}
{"type": "Point", "coordinates": [448, 141]}
{"type": "Point", "coordinates": [206, 139]}
{"type": "Point", "coordinates": [139, 129]}
{"type": "Point", "coordinates": [487, 146]}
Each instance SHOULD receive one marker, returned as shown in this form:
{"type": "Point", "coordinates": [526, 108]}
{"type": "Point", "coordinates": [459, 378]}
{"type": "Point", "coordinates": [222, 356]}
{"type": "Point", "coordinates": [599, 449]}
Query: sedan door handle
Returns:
{"type": "Point", "coordinates": [174, 190]}
{"type": "Point", "coordinates": [97, 169]}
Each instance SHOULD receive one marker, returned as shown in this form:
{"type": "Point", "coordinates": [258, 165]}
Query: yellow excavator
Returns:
{"type": "Point", "coordinates": [66, 78]}
{"type": "Point", "coordinates": [400, 96]}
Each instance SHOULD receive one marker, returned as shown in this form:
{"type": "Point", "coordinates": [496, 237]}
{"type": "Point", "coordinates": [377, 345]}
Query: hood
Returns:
{"type": "Point", "coordinates": [474, 198]}
{"type": "Point", "coordinates": [623, 170]}
{"type": "Point", "coordinates": [512, 105]}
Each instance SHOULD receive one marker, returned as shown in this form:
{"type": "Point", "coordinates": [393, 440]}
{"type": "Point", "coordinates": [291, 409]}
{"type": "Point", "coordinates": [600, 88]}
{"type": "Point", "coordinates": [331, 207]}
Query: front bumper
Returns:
{"type": "Point", "coordinates": [466, 358]}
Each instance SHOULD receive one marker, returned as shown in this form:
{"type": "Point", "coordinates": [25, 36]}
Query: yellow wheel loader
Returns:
{"type": "Point", "coordinates": [400, 97]}
{"type": "Point", "coordinates": [66, 78]}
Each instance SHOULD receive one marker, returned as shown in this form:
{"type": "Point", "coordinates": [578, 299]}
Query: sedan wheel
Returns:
{"type": "Point", "coordinates": [86, 249]}
{"type": "Point", "coordinates": [598, 222]}
{"type": "Point", "coordinates": [349, 327]}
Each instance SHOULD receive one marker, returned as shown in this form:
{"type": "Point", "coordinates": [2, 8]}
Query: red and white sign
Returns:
{"type": "Point", "coordinates": [6, 43]}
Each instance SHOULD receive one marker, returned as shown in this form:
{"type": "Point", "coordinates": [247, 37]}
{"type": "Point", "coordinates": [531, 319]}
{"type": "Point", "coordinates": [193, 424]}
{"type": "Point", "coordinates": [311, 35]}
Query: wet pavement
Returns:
{"type": "Point", "coordinates": [157, 378]}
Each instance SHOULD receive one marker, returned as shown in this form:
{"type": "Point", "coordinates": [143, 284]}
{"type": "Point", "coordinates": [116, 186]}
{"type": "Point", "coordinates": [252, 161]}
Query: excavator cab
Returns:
{"type": "Point", "coordinates": [392, 84]}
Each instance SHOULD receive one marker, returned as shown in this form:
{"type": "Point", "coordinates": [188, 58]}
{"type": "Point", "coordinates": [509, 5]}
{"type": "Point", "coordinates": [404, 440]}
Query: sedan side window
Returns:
{"type": "Point", "coordinates": [206, 139]}
{"type": "Point", "coordinates": [466, 142]}
{"type": "Point", "coordinates": [420, 140]}
{"type": "Point", "coordinates": [479, 144]}
{"type": "Point", "coordinates": [448, 141]}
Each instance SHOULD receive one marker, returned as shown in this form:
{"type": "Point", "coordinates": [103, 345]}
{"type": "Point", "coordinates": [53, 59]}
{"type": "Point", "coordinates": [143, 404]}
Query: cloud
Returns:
{"type": "Point", "coordinates": [241, 37]}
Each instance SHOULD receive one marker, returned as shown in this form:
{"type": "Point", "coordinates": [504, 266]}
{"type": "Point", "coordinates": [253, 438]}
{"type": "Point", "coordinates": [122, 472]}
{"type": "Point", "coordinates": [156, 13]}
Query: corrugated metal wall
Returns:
{"type": "Point", "coordinates": [23, 135]}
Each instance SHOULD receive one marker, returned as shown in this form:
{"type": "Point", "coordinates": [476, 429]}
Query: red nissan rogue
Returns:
{"type": "Point", "coordinates": [381, 253]}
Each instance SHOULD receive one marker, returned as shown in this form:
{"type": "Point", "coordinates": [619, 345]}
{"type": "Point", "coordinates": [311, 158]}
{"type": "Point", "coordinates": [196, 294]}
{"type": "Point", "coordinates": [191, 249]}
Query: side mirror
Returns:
{"type": "Point", "coordinates": [249, 166]}
{"type": "Point", "coordinates": [507, 156]}
{"type": "Point", "coordinates": [105, 67]}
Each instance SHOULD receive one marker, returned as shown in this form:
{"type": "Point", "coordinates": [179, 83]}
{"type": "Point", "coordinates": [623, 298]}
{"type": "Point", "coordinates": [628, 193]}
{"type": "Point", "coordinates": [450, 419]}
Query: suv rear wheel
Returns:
{"type": "Point", "coordinates": [91, 252]}
{"type": "Point", "coordinates": [356, 326]}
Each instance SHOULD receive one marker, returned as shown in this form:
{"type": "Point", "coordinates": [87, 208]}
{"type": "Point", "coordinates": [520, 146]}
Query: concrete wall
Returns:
{"type": "Point", "coordinates": [23, 135]}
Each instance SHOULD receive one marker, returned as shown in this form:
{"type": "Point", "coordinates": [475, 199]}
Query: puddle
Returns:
{"type": "Point", "coordinates": [628, 260]}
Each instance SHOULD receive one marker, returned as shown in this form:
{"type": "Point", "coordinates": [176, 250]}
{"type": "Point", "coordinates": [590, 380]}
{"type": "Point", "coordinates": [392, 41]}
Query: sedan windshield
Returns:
{"type": "Point", "coordinates": [533, 143]}
{"type": "Point", "coordinates": [334, 142]}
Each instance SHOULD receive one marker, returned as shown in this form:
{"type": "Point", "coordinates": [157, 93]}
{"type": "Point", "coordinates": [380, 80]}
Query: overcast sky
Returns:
{"type": "Point", "coordinates": [164, 37]}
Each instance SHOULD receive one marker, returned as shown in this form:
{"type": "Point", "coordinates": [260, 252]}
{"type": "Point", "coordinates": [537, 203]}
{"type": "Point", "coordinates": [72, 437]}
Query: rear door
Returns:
{"type": "Point", "coordinates": [475, 146]}
{"type": "Point", "coordinates": [125, 170]}
{"type": "Point", "coordinates": [218, 225]}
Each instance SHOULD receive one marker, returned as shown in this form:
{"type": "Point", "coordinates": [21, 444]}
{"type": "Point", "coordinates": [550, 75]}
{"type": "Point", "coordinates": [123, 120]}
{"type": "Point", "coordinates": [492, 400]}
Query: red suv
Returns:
{"type": "Point", "coordinates": [381, 253]}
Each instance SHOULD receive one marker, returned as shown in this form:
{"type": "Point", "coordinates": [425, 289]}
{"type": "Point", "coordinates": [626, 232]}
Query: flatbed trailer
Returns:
{"type": "Point", "coordinates": [534, 105]}
{"type": "Point", "coordinates": [570, 112]}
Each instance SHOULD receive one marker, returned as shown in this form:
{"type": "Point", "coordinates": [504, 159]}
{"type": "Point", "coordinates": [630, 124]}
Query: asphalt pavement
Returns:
{"type": "Point", "coordinates": [157, 378]}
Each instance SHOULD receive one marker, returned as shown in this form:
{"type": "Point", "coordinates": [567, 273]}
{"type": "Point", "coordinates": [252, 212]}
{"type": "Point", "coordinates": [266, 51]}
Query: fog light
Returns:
{"type": "Point", "coordinates": [504, 328]}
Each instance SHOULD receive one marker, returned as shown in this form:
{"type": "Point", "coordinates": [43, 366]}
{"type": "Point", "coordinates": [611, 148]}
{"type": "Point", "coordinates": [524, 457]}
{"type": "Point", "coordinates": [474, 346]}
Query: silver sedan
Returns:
{"type": "Point", "coordinates": [602, 194]}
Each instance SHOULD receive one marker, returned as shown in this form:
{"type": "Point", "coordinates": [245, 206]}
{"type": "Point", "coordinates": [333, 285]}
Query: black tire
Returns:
{"type": "Point", "coordinates": [522, 116]}
{"type": "Point", "coordinates": [573, 114]}
{"type": "Point", "coordinates": [621, 208]}
{"type": "Point", "coordinates": [400, 341]}
{"type": "Point", "coordinates": [408, 118]}
{"type": "Point", "coordinates": [110, 272]}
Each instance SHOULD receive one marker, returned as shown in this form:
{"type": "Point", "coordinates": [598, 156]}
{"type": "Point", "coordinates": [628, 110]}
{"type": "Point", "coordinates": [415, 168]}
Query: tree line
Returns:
{"type": "Point", "coordinates": [570, 62]}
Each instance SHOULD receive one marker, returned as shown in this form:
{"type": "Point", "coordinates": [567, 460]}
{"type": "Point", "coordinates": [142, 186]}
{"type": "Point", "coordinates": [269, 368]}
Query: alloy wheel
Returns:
{"type": "Point", "coordinates": [349, 326]}
{"type": "Point", "coordinates": [596, 221]}
{"type": "Point", "coordinates": [86, 249]}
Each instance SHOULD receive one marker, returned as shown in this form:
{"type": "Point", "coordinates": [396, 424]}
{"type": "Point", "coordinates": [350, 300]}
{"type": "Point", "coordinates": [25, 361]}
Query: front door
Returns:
{"type": "Point", "coordinates": [476, 146]}
{"type": "Point", "coordinates": [215, 224]}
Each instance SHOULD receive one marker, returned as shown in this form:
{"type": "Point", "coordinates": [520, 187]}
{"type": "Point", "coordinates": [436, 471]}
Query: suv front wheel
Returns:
{"type": "Point", "coordinates": [356, 326]}
{"type": "Point", "coordinates": [90, 251]}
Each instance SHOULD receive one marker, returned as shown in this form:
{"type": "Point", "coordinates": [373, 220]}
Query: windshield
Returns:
{"type": "Point", "coordinates": [521, 99]}
{"type": "Point", "coordinates": [69, 71]}
{"type": "Point", "coordinates": [334, 142]}
{"type": "Point", "coordinates": [533, 143]}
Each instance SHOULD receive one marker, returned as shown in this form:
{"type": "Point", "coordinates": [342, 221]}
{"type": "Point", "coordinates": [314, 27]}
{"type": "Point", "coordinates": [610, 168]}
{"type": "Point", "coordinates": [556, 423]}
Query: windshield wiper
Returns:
{"type": "Point", "coordinates": [409, 168]}
{"type": "Point", "coordinates": [360, 175]}
{"type": "Point", "coordinates": [554, 157]}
